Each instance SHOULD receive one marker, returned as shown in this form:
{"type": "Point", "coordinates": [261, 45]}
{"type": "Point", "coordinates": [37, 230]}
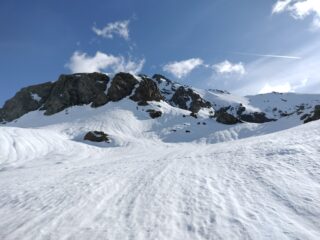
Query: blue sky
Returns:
{"type": "Point", "coordinates": [246, 46]}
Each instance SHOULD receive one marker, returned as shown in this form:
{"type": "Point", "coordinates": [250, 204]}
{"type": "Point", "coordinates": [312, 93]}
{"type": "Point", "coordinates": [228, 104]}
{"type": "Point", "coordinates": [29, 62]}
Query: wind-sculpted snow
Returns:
{"type": "Point", "coordinates": [155, 183]}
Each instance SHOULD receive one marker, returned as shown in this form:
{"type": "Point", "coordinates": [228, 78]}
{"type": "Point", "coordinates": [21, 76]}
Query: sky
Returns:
{"type": "Point", "coordinates": [245, 47]}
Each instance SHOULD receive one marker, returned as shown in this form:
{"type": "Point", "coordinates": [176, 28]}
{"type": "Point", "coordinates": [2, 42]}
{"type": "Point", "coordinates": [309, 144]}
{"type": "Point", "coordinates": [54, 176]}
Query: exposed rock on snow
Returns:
{"type": "Point", "coordinates": [222, 116]}
{"type": "Point", "coordinates": [23, 102]}
{"type": "Point", "coordinates": [186, 98]}
{"type": "Point", "coordinates": [122, 86]}
{"type": "Point", "coordinates": [159, 78]}
{"type": "Point", "coordinates": [255, 117]}
{"type": "Point", "coordinates": [154, 113]}
{"type": "Point", "coordinates": [97, 136]}
{"type": "Point", "coordinates": [315, 115]}
{"type": "Point", "coordinates": [76, 89]}
{"type": "Point", "coordinates": [53, 97]}
{"type": "Point", "coordinates": [146, 91]}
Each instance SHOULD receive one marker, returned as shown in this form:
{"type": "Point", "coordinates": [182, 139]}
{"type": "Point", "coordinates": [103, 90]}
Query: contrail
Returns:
{"type": "Point", "coordinates": [267, 55]}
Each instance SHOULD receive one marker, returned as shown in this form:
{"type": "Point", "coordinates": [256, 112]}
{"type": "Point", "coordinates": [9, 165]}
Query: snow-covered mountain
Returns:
{"type": "Point", "coordinates": [138, 157]}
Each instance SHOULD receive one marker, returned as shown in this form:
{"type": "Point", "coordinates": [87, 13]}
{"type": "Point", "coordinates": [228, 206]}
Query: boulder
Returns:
{"type": "Point", "coordinates": [154, 113]}
{"type": "Point", "coordinates": [122, 86]}
{"type": "Point", "coordinates": [97, 136]}
{"type": "Point", "coordinates": [187, 99]}
{"type": "Point", "coordinates": [146, 91]}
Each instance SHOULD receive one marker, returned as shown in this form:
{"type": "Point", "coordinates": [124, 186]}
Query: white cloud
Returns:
{"type": "Point", "coordinates": [102, 62]}
{"type": "Point", "coordinates": [273, 74]}
{"type": "Point", "coordinates": [227, 67]}
{"type": "Point", "coordinates": [120, 28]}
{"type": "Point", "coordinates": [316, 23]}
{"type": "Point", "coordinates": [267, 55]}
{"type": "Point", "coordinates": [282, 75]}
{"type": "Point", "coordinates": [285, 87]}
{"type": "Point", "coordinates": [183, 68]}
{"type": "Point", "coordinates": [267, 88]}
{"type": "Point", "coordinates": [299, 9]}
{"type": "Point", "coordinates": [280, 6]}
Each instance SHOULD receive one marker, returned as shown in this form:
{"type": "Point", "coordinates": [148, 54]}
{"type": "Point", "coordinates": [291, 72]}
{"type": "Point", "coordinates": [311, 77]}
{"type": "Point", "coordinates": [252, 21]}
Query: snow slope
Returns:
{"type": "Point", "coordinates": [155, 183]}
{"type": "Point", "coordinates": [274, 105]}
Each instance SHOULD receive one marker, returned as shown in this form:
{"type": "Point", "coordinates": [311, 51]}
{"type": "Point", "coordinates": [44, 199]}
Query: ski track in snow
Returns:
{"type": "Point", "coordinates": [265, 187]}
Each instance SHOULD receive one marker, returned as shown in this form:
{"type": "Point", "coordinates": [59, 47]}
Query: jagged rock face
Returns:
{"type": "Point", "coordinates": [146, 91]}
{"type": "Point", "coordinates": [189, 100]}
{"type": "Point", "coordinates": [53, 97]}
{"type": "Point", "coordinates": [26, 100]}
{"type": "Point", "coordinates": [222, 116]}
{"type": "Point", "coordinates": [77, 89]}
{"type": "Point", "coordinates": [122, 86]}
{"type": "Point", "coordinates": [315, 116]}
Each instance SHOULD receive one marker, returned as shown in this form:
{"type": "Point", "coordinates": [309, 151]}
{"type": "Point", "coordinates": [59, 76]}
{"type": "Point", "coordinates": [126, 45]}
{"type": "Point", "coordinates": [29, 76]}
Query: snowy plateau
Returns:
{"type": "Point", "coordinates": [183, 174]}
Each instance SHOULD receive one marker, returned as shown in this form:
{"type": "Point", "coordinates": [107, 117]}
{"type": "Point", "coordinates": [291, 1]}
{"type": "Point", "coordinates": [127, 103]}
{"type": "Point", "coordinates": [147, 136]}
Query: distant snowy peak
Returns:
{"type": "Point", "coordinates": [262, 107]}
{"type": "Point", "coordinates": [97, 89]}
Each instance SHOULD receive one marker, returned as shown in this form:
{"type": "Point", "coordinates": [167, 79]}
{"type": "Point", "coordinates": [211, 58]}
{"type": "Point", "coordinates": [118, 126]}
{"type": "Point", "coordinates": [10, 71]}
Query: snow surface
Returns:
{"type": "Point", "coordinates": [35, 97]}
{"type": "Point", "coordinates": [273, 104]}
{"type": "Point", "coordinates": [156, 180]}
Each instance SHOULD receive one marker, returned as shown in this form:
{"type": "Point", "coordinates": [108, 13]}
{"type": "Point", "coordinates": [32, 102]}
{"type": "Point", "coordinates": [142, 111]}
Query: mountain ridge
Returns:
{"type": "Point", "coordinates": [98, 89]}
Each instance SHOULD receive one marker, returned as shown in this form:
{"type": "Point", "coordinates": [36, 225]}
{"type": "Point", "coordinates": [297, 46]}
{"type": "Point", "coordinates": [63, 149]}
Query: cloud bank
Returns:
{"type": "Point", "coordinates": [227, 67]}
{"type": "Point", "coordinates": [120, 28]}
{"type": "Point", "coordinates": [299, 9]}
{"type": "Point", "coordinates": [102, 62]}
{"type": "Point", "coordinates": [281, 75]}
{"type": "Point", "coordinates": [182, 68]}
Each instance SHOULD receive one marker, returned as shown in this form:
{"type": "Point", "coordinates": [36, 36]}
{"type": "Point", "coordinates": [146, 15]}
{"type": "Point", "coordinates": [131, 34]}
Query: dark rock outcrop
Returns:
{"type": "Point", "coordinates": [189, 100]}
{"type": "Point", "coordinates": [76, 89]}
{"type": "Point", "coordinates": [53, 97]}
{"type": "Point", "coordinates": [26, 100]}
{"type": "Point", "coordinates": [222, 116]}
{"type": "Point", "coordinates": [97, 136]}
{"type": "Point", "coordinates": [315, 115]}
{"type": "Point", "coordinates": [146, 91]}
{"type": "Point", "coordinates": [122, 86]}
{"type": "Point", "coordinates": [158, 78]}
{"type": "Point", "coordinates": [255, 117]}
{"type": "Point", "coordinates": [154, 113]}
